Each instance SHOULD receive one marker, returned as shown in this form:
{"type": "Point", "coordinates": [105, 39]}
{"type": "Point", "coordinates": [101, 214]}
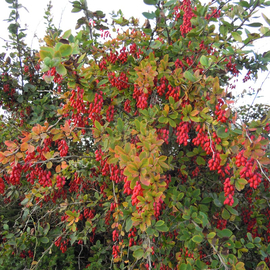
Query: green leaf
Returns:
{"type": "Point", "coordinates": [138, 254]}
{"type": "Point", "coordinates": [254, 24]}
{"type": "Point", "coordinates": [163, 119]}
{"type": "Point", "coordinates": [218, 203]}
{"type": "Point", "coordinates": [169, 3]}
{"type": "Point", "coordinates": [200, 160]}
{"type": "Point", "coordinates": [237, 37]}
{"type": "Point", "coordinates": [75, 10]}
{"type": "Point", "coordinates": [129, 224]}
{"type": "Point", "coordinates": [10, 235]}
{"type": "Point", "coordinates": [250, 245]}
{"type": "Point", "coordinates": [222, 134]}
{"type": "Point", "coordinates": [240, 184]}
{"type": "Point", "coordinates": [188, 75]}
{"type": "Point", "coordinates": [102, 82]}
{"type": "Point", "coordinates": [162, 228]}
{"type": "Point", "coordinates": [156, 45]}
{"type": "Point", "coordinates": [204, 61]}
{"type": "Point", "coordinates": [266, 19]}
{"type": "Point", "coordinates": [159, 223]}
{"type": "Point", "coordinates": [150, 231]}
{"type": "Point", "coordinates": [150, 2]}
{"type": "Point", "coordinates": [224, 233]}
{"type": "Point", "coordinates": [148, 15]}
{"type": "Point", "coordinates": [225, 214]}
{"type": "Point", "coordinates": [44, 240]}
{"type": "Point", "coordinates": [120, 125]}
{"type": "Point", "coordinates": [98, 125]}
{"type": "Point", "coordinates": [66, 34]}
{"type": "Point", "coordinates": [65, 50]}
{"type": "Point", "coordinates": [211, 235]}
{"type": "Point", "coordinates": [244, 4]}
{"type": "Point", "coordinates": [197, 238]}
{"type": "Point", "coordinates": [60, 69]}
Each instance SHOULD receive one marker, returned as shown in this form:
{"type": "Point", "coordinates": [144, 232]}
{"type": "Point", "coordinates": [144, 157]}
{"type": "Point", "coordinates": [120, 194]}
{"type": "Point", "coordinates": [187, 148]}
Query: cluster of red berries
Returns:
{"type": "Point", "coordinates": [123, 55]}
{"type": "Point", "coordinates": [60, 181]}
{"type": "Point", "coordinates": [158, 208]}
{"type": "Point", "coordinates": [220, 113]}
{"type": "Point", "coordinates": [120, 82]}
{"type": "Point", "coordinates": [203, 140]}
{"type": "Point", "coordinates": [137, 191]}
{"type": "Point", "coordinates": [140, 97]}
{"type": "Point", "coordinates": [247, 77]}
{"type": "Point", "coordinates": [2, 186]}
{"type": "Point", "coordinates": [62, 244]}
{"type": "Point", "coordinates": [103, 65]}
{"type": "Point", "coordinates": [249, 170]}
{"type": "Point", "coordinates": [110, 113]}
{"type": "Point", "coordinates": [115, 235]}
{"type": "Point", "coordinates": [76, 99]}
{"type": "Point", "coordinates": [127, 189]}
{"type": "Point", "coordinates": [63, 148]}
{"type": "Point", "coordinates": [229, 192]}
{"type": "Point", "coordinates": [15, 175]}
{"type": "Point", "coordinates": [116, 251]}
{"type": "Point", "coordinates": [131, 236]}
{"type": "Point", "coordinates": [96, 106]}
{"type": "Point", "coordinates": [214, 162]}
{"type": "Point", "coordinates": [208, 48]}
{"type": "Point", "coordinates": [44, 178]}
{"type": "Point", "coordinates": [215, 14]}
{"type": "Point", "coordinates": [127, 106]}
{"type": "Point", "coordinates": [181, 133]}
{"type": "Point", "coordinates": [188, 15]}
{"type": "Point", "coordinates": [163, 86]}
{"type": "Point", "coordinates": [116, 174]}
{"type": "Point", "coordinates": [232, 67]}
{"type": "Point", "coordinates": [173, 92]}
{"type": "Point", "coordinates": [163, 134]}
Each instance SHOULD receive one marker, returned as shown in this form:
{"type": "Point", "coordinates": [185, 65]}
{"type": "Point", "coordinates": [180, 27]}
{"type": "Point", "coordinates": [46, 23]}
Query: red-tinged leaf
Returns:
{"type": "Point", "coordinates": [257, 153]}
{"type": "Point", "coordinates": [265, 161]}
{"type": "Point", "coordinates": [66, 128]}
{"type": "Point", "coordinates": [31, 148]}
{"type": "Point", "coordinates": [11, 145]}
{"type": "Point", "coordinates": [145, 181]}
{"type": "Point", "coordinates": [164, 165]}
{"type": "Point", "coordinates": [194, 112]}
{"type": "Point", "coordinates": [118, 150]}
{"type": "Point", "coordinates": [162, 158]}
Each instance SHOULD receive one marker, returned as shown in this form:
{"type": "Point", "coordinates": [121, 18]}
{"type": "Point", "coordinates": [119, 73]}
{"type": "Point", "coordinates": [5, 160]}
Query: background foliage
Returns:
{"type": "Point", "coordinates": [120, 149]}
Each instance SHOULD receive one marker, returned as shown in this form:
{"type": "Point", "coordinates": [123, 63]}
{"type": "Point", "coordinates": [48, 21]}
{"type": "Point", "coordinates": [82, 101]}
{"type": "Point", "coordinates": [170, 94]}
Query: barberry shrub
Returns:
{"type": "Point", "coordinates": [127, 151]}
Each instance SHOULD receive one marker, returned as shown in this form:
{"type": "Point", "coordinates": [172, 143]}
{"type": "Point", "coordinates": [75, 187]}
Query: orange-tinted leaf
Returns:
{"type": "Point", "coordinates": [58, 169]}
{"type": "Point", "coordinates": [24, 146]}
{"type": "Point", "coordinates": [64, 165]}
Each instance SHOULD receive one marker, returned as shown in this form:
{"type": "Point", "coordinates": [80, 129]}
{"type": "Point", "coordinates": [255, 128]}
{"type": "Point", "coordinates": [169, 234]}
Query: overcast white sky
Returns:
{"type": "Point", "coordinates": [34, 21]}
